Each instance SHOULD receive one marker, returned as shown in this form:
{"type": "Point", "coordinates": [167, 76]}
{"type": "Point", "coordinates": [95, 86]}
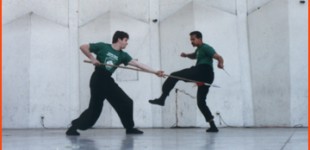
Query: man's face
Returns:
{"type": "Point", "coordinates": [195, 41]}
{"type": "Point", "coordinates": [123, 43]}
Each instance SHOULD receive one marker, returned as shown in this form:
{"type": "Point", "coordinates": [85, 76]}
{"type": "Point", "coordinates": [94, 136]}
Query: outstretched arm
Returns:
{"type": "Point", "coordinates": [144, 67]}
{"type": "Point", "coordinates": [220, 60]}
{"type": "Point", "coordinates": [190, 55]}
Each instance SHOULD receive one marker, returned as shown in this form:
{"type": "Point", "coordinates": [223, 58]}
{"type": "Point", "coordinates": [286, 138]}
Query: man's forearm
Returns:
{"type": "Point", "coordinates": [220, 60]}
{"type": "Point", "coordinates": [86, 52]}
{"type": "Point", "coordinates": [191, 55]}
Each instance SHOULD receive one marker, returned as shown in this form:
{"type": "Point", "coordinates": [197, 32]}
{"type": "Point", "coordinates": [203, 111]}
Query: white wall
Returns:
{"type": "Point", "coordinates": [269, 49]}
{"type": "Point", "coordinates": [298, 55]}
{"type": "Point", "coordinates": [45, 75]}
{"type": "Point", "coordinates": [15, 69]}
{"type": "Point", "coordinates": [43, 72]}
{"type": "Point", "coordinates": [279, 76]}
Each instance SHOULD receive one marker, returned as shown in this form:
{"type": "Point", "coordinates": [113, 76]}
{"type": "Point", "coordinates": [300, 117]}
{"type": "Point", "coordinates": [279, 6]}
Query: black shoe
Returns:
{"type": "Point", "coordinates": [72, 132]}
{"type": "Point", "coordinates": [133, 131]}
{"type": "Point", "coordinates": [157, 102]}
{"type": "Point", "coordinates": [213, 129]}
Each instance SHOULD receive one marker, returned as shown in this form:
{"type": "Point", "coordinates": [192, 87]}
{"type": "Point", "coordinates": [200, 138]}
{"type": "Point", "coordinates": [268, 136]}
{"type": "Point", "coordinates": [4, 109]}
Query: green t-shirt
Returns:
{"type": "Point", "coordinates": [107, 55]}
{"type": "Point", "coordinates": [204, 55]}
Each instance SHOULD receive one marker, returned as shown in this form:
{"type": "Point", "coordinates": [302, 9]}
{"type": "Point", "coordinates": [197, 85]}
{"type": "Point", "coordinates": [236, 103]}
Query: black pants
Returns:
{"type": "Point", "coordinates": [103, 86]}
{"type": "Point", "coordinates": [199, 73]}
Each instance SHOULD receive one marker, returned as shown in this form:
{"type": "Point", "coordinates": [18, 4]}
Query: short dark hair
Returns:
{"type": "Point", "coordinates": [197, 34]}
{"type": "Point", "coordinates": [119, 35]}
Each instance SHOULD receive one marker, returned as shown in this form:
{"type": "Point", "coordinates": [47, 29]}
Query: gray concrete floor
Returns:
{"type": "Point", "coordinates": [158, 139]}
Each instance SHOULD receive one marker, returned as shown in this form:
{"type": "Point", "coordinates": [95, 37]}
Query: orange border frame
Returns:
{"type": "Point", "coordinates": [308, 75]}
{"type": "Point", "coordinates": [1, 74]}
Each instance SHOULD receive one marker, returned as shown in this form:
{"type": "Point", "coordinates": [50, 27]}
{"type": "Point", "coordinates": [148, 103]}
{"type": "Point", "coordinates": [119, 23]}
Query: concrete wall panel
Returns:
{"type": "Point", "coordinates": [298, 55]}
{"type": "Point", "coordinates": [138, 9]}
{"type": "Point", "coordinates": [91, 9]}
{"type": "Point", "coordinates": [256, 4]}
{"type": "Point", "coordinates": [55, 10]}
{"type": "Point", "coordinates": [40, 76]}
{"type": "Point", "coordinates": [169, 7]}
{"type": "Point", "coordinates": [15, 72]}
{"type": "Point", "coordinates": [48, 74]}
{"type": "Point", "coordinates": [223, 5]}
{"type": "Point", "coordinates": [270, 64]}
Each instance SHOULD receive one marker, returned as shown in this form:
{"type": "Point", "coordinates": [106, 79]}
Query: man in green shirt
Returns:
{"type": "Point", "coordinates": [103, 86]}
{"type": "Point", "coordinates": [202, 71]}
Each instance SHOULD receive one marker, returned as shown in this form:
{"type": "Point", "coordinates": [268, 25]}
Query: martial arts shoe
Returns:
{"type": "Point", "coordinates": [133, 131]}
{"type": "Point", "coordinates": [72, 132]}
{"type": "Point", "coordinates": [212, 129]}
{"type": "Point", "coordinates": [157, 102]}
